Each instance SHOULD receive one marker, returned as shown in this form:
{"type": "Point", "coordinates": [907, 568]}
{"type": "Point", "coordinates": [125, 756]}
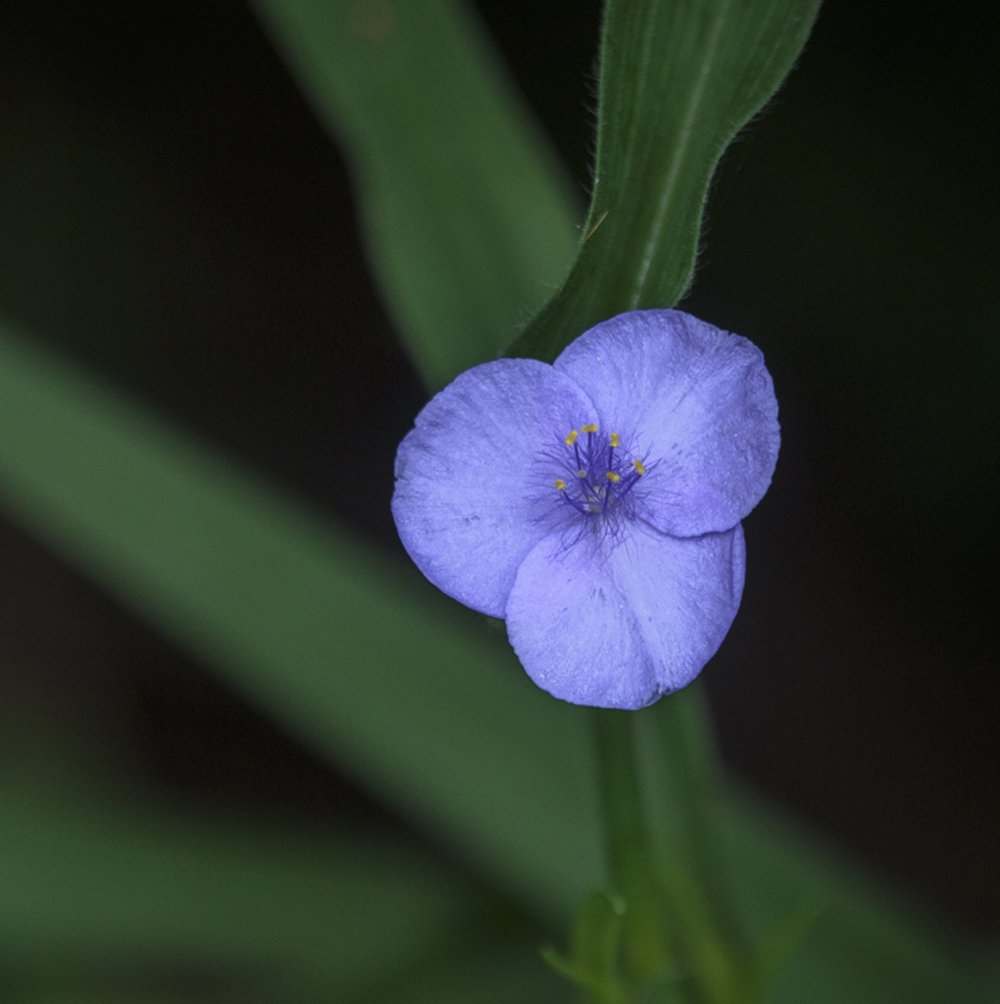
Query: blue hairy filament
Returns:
{"type": "Point", "coordinates": [598, 474]}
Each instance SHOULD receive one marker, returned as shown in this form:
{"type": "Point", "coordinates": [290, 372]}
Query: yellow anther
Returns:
{"type": "Point", "coordinates": [612, 477]}
{"type": "Point", "coordinates": [640, 467]}
{"type": "Point", "coordinates": [572, 437]}
{"type": "Point", "coordinates": [582, 472]}
{"type": "Point", "coordinates": [615, 440]}
{"type": "Point", "coordinates": [589, 427]}
{"type": "Point", "coordinates": [560, 484]}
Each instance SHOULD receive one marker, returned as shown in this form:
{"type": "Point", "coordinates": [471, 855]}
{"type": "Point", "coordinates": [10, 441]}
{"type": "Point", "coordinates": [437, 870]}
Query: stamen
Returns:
{"type": "Point", "coordinates": [598, 475]}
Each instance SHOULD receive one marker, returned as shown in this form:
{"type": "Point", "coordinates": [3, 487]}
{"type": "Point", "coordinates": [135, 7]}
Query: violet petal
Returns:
{"type": "Point", "coordinates": [466, 502]}
{"type": "Point", "coordinates": [619, 623]}
{"type": "Point", "coordinates": [699, 404]}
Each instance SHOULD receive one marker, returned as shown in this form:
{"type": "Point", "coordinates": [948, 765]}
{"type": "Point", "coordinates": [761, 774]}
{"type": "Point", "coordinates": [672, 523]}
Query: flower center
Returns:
{"type": "Point", "coordinates": [598, 474]}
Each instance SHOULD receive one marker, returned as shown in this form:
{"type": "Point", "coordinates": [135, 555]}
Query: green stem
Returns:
{"type": "Point", "coordinates": [659, 786]}
{"type": "Point", "coordinates": [632, 872]}
{"type": "Point", "coordinates": [684, 740]}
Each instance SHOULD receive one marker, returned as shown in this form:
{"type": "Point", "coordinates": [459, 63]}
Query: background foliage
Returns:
{"type": "Point", "coordinates": [175, 220]}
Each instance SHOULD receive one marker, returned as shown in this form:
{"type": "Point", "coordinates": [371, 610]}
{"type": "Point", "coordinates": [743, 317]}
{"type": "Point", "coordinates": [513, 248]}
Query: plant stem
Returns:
{"type": "Point", "coordinates": [658, 780]}
{"type": "Point", "coordinates": [684, 740]}
{"type": "Point", "coordinates": [630, 862]}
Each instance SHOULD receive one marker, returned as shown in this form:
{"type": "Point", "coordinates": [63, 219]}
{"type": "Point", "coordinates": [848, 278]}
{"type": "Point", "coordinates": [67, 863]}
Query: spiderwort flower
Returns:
{"type": "Point", "coordinates": [595, 504]}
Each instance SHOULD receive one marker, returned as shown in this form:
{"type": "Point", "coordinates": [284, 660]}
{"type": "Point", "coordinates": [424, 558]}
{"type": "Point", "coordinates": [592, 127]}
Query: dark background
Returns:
{"type": "Point", "coordinates": [172, 215]}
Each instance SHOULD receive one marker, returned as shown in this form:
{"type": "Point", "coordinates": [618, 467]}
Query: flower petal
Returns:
{"type": "Point", "coordinates": [696, 400]}
{"type": "Point", "coordinates": [617, 624]}
{"type": "Point", "coordinates": [468, 504]}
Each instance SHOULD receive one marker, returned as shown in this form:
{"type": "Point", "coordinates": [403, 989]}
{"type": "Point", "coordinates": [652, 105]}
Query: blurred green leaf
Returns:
{"type": "Point", "coordinates": [678, 80]}
{"type": "Point", "coordinates": [593, 962]}
{"type": "Point", "coordinates": [468, 216]}
{"type": "Point", "coordinates": [862, 945]}
{"type": "Point", "coordinates": [395, 681]}
{"type": "Point", "coordinates": [130, 892]}
{"type": "Point", "coordinates": [501, 971]}
{"type": "Point", "coordinates": [409, 694]}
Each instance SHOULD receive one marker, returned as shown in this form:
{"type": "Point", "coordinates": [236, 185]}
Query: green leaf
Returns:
{"type": "Point", "coordinates": [678, 80]}
{"type": "Point", "coordinates": [402, 686]}
{"type": "Point", "coordinates": [593, 964]}
{"type": "Point", "coordinates": [502, 971]}
{"type": "Point", "coordinates": [116, 891]}
{"type": "Point", "coordinates": [468, 217]}
{"type": "Point", "coordinates": [861, 944]}
{"type": "Point", "coordinates": [596, 935]}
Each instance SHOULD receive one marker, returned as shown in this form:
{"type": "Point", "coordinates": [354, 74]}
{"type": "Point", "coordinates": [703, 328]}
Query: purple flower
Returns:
{"type": "Point", "coordinates": [595, 504]}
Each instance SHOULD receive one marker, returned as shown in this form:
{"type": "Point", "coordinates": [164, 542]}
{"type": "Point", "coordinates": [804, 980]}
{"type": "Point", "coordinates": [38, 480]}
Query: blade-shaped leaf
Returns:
{"type": "Point", "coordinates": [468, 217]}
{"type": "Point", "coordinates": [861, 945]}
{"type": "Point", "coordinates": [678, 80]}
{"type": "Point", "coordinates": [377, 670]}
{"type": "Point", "coordinates": [112, 889]}
{"type": "Point", "coordinates": [500, 972]}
